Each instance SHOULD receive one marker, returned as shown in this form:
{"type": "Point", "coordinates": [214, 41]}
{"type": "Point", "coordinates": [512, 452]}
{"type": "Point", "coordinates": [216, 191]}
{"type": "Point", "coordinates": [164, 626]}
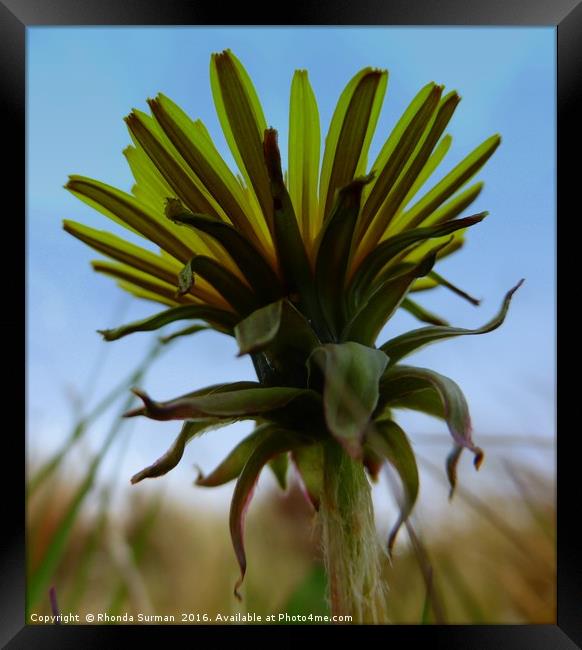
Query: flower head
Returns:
{"type": "Point", "coordinates": [303, 267]}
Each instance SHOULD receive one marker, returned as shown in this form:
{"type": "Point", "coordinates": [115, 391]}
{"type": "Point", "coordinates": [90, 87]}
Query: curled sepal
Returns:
{"type": "Point", "coordinates": [405, 344]}
{"type": "Point", "coordinates": [224, 319]}
{"type": "Point", "coordinates": [232, 465]}
{"type": "Point", "coordinates": [350, 374]}
{"type": "Point", "coordinates": [389, 441]}
{"type": "Point", "coordinates": [174, 454]}
{"type": "Point", "coordinates": [238, 404]}
{"type": "Point", "coordinates": [402, 382]}
{"type": "Point", "coordinates": [275, 442]}
{"type": "Point", "coordinates": [451, 466]}
{"type": "Point", "coordinates": [308, 461]}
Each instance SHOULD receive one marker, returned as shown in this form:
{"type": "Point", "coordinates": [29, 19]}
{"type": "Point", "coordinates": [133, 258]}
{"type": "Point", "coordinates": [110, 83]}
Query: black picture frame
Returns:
{"type": "Point", "coordinates": [566, 15]}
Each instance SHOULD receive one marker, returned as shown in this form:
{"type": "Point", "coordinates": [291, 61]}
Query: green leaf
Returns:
{"type": "Point", "coordinates": [405, 344]}
{"type": "Point", "coordinates": [303, 155]}
{"type": "Point", "coordinates": [454, 180]}
{"type": "Point", "coordinates": [249, 260]}
{"type": "Point", "coordinates": [400, 381]}
{"type": "Point", "coordinates": [184, 312]}
{"type": "Point", "coordinates": [383, 300]}
{"type": "Point", "coordinates": [351, 373]}
{"type": "Point", "coordinates": [173, 456]}
{"type": "Point", "coordinates": [185, 185]}
{"type": "Point", "coordinates": [244, 404]}
{"type": "Point", "coordinates": [233, 464]}
{"type": "Point", "coordinates": [350, 133]}
{"type": "Point", "coordinates": [389, 250]}
{"type": "Point", "coordinates": [276, 442]}
{"type": "Point", "coordinates": [289, 244]}
{"type": "Point", "coordinates": [422, 314]}
{"type": "Point", "coordinates": [243, 124]}
{"type": "Point", "coordinates": [126, 210]}
{"type": "Point", "coordinates": [398, 149]}
{"type": "Point", "coordinates": [191, 139]}
{"type": "Point", "coordinates": [308, 461]}
{"type": "Point", "coordinates": [233, 290]}
{"type": "Point", "coordinates": [388, 440]}
{"type": "Point", "coordinates": [334, 251]}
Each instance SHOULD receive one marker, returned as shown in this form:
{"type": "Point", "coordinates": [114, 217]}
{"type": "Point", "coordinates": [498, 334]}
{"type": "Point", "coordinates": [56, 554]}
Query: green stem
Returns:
{"type": "Point", "coordinates": [352, 551]}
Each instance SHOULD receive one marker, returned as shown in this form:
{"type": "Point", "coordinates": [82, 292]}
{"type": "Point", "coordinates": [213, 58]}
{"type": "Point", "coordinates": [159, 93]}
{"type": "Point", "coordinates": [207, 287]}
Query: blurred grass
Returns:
{"type": "Point", "coordinates": [177, 560]}
{"type": "Point", "coordinates": [494, 562]}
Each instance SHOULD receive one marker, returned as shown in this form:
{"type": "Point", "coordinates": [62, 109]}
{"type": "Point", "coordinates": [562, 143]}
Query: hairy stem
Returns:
{"type": "Point", "coordinates": [352, 552]}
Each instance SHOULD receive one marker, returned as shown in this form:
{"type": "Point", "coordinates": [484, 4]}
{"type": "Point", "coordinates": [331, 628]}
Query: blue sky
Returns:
{"type": "Point", "coordinates": [83, 81]}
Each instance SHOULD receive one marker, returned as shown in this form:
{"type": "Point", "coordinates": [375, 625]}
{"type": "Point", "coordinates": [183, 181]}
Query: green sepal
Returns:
{"type": "Point", "coordinates": [350, 375]}
{"type": "Point", "coordinates": [277, 441]}
{"type": "Point", "coordinates": [401, 382]}
{"type": "Point", "coordinates": [383, 300]}
{"type": "Point", "coordinates": [279, 332]}
{"type": "Point", "coordinates": [174, 454]}
{"type": "Point", "coordinates": [218, 317]}
{"type": "Point", "coordinates": [389, 441]}
{"type": "Point", "coordinates": [238, 404]}
{"type": "Point", "coordinates": [333, 253]}
{"type": "Point", "coordinates": [231, 467]}
{"type": "Point", "coordinates": [308, 461]}
{"type": "Point", "coordinates": [289, 243]}
{"type": "Point", "coordinates": [405, 344]}
{"type": "Point", "coordinates": [392, 247]}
